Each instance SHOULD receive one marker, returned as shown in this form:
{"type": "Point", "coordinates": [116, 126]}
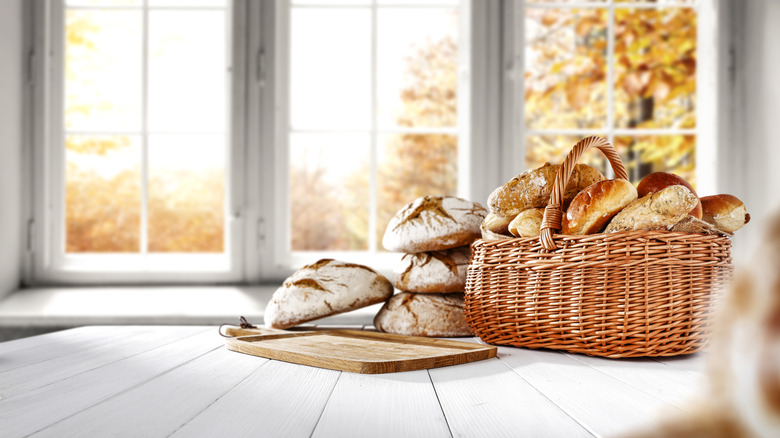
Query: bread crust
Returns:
{"type": "Point", "coordinates": [497, 224]}
{"type": "Point", "coordinates": [434, 315]}
{"type": "Point", "coordinates": [656, 181]}
{"type": "Point", "coordinates": [532, 189]}
{"type": "Point", "coordinates": [592, 209]}
{"type": "Point", "coordinates": [726, 212]}
{"type": "Point", "coordinates": [325, 288]}
{"type": "Point", "coordinates": [433, 223]}
{"type": "Point", "coordinates": [528, 223]}
{"type": "Point", "coordinates": [434, 271]}
{"type": "Point", "coordinates": [657, 211]}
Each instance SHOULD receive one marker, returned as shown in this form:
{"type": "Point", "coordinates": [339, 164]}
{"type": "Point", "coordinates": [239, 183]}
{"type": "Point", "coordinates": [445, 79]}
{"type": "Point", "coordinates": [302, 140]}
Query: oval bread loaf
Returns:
{"type": "Point", "coordinates": [592, 209]}
{"type": "Point", "coordinates": [532, 189]}
{"type": "Point", "coordinates": [433, 272]}
{"type": "Point", "coordinates": [325, 288]}
{"type": "Point", "coordinates": [433, 223]}
{"type": "Point", "coordinates": [435, 315]}
{"type": "Point", "coordinates": [528, 223]}
{"type": "Point", "coordinates": [496, 223]}
{"type": "Point", "coordinates": [659, 211]}
{"type": "Point", "coordinates": [659, 180]}
{"type": "Point", "coordinates": [726, 212]}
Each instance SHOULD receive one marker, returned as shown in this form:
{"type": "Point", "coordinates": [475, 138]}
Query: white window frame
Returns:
{"type": "Point", "coordinates": [49, 262]}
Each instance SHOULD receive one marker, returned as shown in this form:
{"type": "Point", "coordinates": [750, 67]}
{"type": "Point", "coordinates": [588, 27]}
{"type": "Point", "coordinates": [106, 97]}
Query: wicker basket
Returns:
{"type": "Point", "coordinates": [625, 294]}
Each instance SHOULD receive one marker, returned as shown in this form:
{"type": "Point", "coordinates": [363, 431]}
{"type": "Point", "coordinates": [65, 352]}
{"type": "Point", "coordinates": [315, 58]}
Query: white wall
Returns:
{"type": "Point", "coordinates": [755, 157]}
{"type": "Point", "coordinates": [11, 89]}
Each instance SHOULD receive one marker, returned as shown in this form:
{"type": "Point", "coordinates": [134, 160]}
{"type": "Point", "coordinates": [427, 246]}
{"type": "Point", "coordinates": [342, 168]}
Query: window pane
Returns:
{"type": "Point", "coordinates": [417, 59]}
{"type": "Point", "coordinates": [663, 153]}
{"type": "Point", "coordinates": [655, 68]}
{"type": "Point", "coordinates": [566, 68]}
{"type": "Point", "coordinates": [102, 193]}
{"type": "Point", "coordinates": [330, 2]}
{"type": "Point", "coordinates": [186, 193]}
{"type": "Point", "coordinates": [554, 148]}
{"type": "Point", "coordinates": [565, 1]}
{"type": "Point", "coordinates": [419, 3]}
{"type": "Point", "coordinates": [188, 3]}
{"type": "Point", "coordinates": [410, 166]}
{"type": "Point", "coordinates": [103, 70]}
{"type": "Point", "coordinates": [660, 2]}
{"type": "Point", "coordinates": [187, 71]}
{"type": "Point", "coordinates": [329, 191]}
{"type": "Point", "coordinates": [330, 78]}
{"type": "Point", "coordinates": [104, 2]}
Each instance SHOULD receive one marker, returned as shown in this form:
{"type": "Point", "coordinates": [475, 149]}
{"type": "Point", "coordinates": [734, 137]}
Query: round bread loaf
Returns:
{"type": "Point", "coordinates": [528, 223]}
{"type": "Point", "coordinates": [496, 224]}
{"type": "Point", "coordinates": [659, 180]}
{"type": "Point", "coordinates": [532, 189]}
{"type": "Point", "coordinates": [433, 272]}
{"type": "Point", "coordinates": [325, 288]}
{"type": "Point", "coordinates": [592, 209]}
{"type": "Point", "coordinates": [726, 212]}
{"type": "Point", "coordinates": [433, 223]}
{"type": "Point", "coordinates": [658, 211]}
{"type": "Point", "coordinates": [435, 315]}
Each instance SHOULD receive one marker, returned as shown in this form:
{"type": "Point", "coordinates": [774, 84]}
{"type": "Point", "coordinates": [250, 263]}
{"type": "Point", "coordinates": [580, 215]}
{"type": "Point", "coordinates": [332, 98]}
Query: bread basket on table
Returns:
{"type": "Point", "coordinates": [623, 294]}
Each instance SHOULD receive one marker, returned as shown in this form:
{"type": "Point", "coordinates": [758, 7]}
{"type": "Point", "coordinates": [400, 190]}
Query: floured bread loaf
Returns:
{"type": "Point", "coordinates": [433, 272]}
{"type": "Point", "coordinates": [433, 223]}
{"type": "Point", "coordinates": [659, 180]}
{"type": "Point", "coordinates": [532, 189]}
{"type": "Point", "coordinates": [528, 223]}
{"type": "Point", "coordinates": [435, 315]}
{"type": "Point", "coordinates": [322, 289]}
{"type": "Point", "coordinates": [659, 211]}
{"type": "Point", "coordinates": [593, 208]}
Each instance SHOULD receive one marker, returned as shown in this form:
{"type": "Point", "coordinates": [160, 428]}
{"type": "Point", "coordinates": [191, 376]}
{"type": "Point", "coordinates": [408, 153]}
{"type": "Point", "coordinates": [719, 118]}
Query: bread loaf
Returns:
{"type": "Point", "coordinates": [435, 315]}
{"type": "Point", "coordinates": [690, 224]}
{"type": "Point", "coordinates": [726, 212]}
{"type": "Point", "coordinates": [433, 272]}
{"type": "Point", "coordinates": [325, 288]}
{"type": "Point", "coordinates": [489, 235]}
{"type": "Point", "coordinates": [659, 180]}
{"type": "Point", "coordinates": [496, 223]}
{"type": "Point", "coordinates": [532, 189]}
{"type": "Point", "coordinates": [527, 223]}
{"type": "Point", "coordinates": [433, 223]}
{"type": "Point", "coordinates": [658, 211]}
{"type": "Point", "coordinates": [592, 209]}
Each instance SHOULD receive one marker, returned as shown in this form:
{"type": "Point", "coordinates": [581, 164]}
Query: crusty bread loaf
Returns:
{"type": "Point", "coordinates": [527, 223]}
{"type": "Point", "coordinates": [532, 189]}
{"type": "Point", "coordinates": [592, 209]}
{"type": "Point", "coordinates": [659, 180]}
{"type": "Point", "coordinates": [435, 315]}
{"type": "Point", "coordinates": [496, 223]}
{"type": "Point", "coordinates": [489, 235]}
{"type": "Point", "coordinates": [433, 223]}
{"type": "Point", "coordinates": [659, 211]}
{"type": "Point", "coordinates": [325, 288]}
{"type": "Point", "coordinates": [433, 272]}
{"type": "Point", "coordinates": [726, 212]}
{"type": "Point", "coordinates": [690, 224]}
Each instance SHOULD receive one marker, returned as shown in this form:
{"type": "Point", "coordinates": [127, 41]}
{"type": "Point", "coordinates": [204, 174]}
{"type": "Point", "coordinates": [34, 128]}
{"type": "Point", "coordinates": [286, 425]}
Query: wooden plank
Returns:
{"type": "Point", "coordinates": [693, 363]}
{"type": "Point", "coordinates": [134, 341]}
{"type": "Point", "coordinates": [360, 351]}
{"type": "Point", "coordinates": [676, 387]}
{"type": "Point", "coordinates": [279, 399]}
{"type": "Point", "coordinates": [160, 406]}
{"type": "Point", "coordinates": [386, 405]}
{"type": "Point", "coordinates": [37, 409]}
{"type": "Point", "coordinates": [487, 399]}
{"type": "Point", "coordinates": [601, 403]}
{"type": "Point", "coordinates": [38, 340]}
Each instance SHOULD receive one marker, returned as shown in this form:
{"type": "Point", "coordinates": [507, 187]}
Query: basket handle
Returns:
{"type": "Point", "coordinates": [551, 222]}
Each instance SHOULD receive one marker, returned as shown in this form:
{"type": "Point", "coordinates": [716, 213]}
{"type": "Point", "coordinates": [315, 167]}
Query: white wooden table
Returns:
{"type": "Point", "coordinates": [181, 381]}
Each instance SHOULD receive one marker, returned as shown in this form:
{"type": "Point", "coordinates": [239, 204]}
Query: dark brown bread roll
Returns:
{"type": "Point", "coordinates": [592, 209]}
{"type": "Point", "coordinates": [726, 212]}
{"type": "Point", "coordinates": [660, 180]}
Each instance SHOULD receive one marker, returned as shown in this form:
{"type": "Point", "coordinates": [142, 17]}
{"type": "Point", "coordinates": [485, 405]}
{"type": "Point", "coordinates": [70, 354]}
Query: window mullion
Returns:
{"type": "Point", "coordinates": [373, 205]}
{"type": "Point", "coordinates": [144, 130]}
{"type": "Point", "coordinates": [611, 80]}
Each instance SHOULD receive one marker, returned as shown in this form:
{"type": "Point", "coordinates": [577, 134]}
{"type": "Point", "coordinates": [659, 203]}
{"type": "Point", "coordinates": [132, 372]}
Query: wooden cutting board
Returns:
{"type": "Point", "coordinates": [359, 351]}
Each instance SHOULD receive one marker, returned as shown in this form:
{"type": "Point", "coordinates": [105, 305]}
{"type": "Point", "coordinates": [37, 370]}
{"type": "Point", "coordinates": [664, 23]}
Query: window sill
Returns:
{"type": "Point", "coordinates": [197, 305]}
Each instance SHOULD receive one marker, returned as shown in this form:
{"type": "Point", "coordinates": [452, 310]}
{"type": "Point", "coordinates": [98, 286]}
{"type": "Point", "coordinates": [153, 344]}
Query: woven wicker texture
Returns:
{"type": "Point", "coordinates": [626, 294]}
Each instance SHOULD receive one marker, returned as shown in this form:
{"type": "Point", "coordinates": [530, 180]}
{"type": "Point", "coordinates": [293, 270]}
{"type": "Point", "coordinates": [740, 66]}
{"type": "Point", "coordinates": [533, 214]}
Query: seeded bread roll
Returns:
{"type": "Point", "coordinates": [496, 223]}
{"type": "Point", "coordinates": [322, 289]}
{"type": "Point", "coordinates": [528, 223]}
{"type": "Point", "coordinates": [659, 211]}
{"type": "Point", "coordinates": [592, 209]}
{"type": "Point", "coordinates": [690, 224]}
{"type": "Point", "coordinates": [433, 223]}
{"type": "Point", "coordinates": [726, 212]}
{"type": "Point", "coordinates": [434, 315]}
{"type": "Point", "coordinates": [659, 180]}
{"type": "Point", "coordinates": [433, 272]}
{"type": "Point", "coordinates": [532, 189]}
